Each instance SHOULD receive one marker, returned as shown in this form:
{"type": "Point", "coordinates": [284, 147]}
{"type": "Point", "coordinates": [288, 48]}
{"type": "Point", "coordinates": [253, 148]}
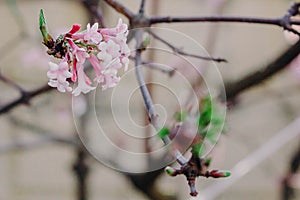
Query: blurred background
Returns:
{"type": "Point", "coordinates": [39, 149]}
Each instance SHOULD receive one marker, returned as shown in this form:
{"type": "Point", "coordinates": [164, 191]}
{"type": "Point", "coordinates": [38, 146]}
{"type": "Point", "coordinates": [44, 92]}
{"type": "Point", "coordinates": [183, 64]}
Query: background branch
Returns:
{"type": "Point", "coordinates": [181, 52]}
{"type": "Point", "coordinates": [120, 8]}
{"type": "Point", "coordinates": [24, 98]}
{"type": "Point", "coordinates": [234, 88]}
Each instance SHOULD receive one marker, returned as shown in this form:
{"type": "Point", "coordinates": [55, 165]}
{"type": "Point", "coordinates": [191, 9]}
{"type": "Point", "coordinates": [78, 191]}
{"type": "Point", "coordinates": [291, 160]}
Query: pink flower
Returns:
{"type": "Point", "coordinates": [96, 64]}
{"type": "Point", "coordinates": [84, 83]}
{"type": "Point", "coordinates": [110, 79]}
{"type": "Point", "coordinates": [79, 53]}
{"type": "Point", "coordinates": [75, 28]}
{"type": "Point", "coordinates": [58, 75]}
{"type": "Point", "coordinates": [91, 35]}
{"type": "Point", "coordinates": [106, 49]}
{"type": "Point", "coordinates": [120, 29]}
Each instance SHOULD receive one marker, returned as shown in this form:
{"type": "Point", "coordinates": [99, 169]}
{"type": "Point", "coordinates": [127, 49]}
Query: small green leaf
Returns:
{"type": "Point", "coordinates": [197, 149]}
{"type": "Point", "coordinates": [207, 162]}
{"type": "Point", "coordinates": [163, 132]}
{"type": "Point", "coordinates": [226, 174]}
{"type": "Point", "coordinates": [171, 171]}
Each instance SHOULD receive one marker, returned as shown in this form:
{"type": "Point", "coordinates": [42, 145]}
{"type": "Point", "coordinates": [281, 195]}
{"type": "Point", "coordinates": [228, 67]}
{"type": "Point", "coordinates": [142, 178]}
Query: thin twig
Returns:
{"type": "Point", "coordinates": [287, 191]}
{"type": "Point", "coordinates": [153, 116]}
{"type": "Point", "coordinates": [257, 77]}
{"type": "Point", "coordinates": [170, 19]}
{"type": "Point", "coordinates": [159, 67]}
{"type": "Point", "coordinates": [283, 22]}
{"type": "Point", "coordinates": [120, 8]}
{"type": "Point", "coordinates": [24, 98]}
{"type": "Point", "coordinates": [181, 52]}
{"type": "Point", "coordinates": [251, 20]}
{"type": "Point", "coordinates": [11, 83]}
{"type": "Point", "coordinates": [142, 7]}
{"type": "Point", "coordinates": [95, 12]}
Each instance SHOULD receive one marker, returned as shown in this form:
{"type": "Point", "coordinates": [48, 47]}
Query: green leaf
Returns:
{"type": "Point", "coordinates": [163, 132]}
{"type": "Point", "coordinates": [197, 149]}
{"type": "Point", "coordinates": [226, 174]}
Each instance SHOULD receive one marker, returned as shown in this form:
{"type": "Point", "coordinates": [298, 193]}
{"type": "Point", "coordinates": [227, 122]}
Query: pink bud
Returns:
{"type": "Point", "coordinates": [75, 28]}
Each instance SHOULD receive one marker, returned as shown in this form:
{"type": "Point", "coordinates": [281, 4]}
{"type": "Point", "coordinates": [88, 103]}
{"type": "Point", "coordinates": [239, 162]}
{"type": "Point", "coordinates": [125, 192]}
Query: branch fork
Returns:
{"type": "Point", "coordinates": [195, 168]}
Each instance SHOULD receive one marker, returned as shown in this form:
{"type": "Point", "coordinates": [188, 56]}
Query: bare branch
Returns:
{"type": "Point", "coordinates": [24, 98]}
{"type": "Point", "coordinates": [159, 67]}
{"type": "Point", "coordinates": [120, 8]}
{"type": "Point", "coordinates": [11, 83]}
{"type": "Point", "coordinates": [257, 77]}
{"type": "Point", "coordinates": [181, 52]}
{"type": "Point", "coordinates": [142, 7]}
{"type": "Point", "coordinates": [170, 19]}
{"type": "Point", "coordinates": [95, 12]}
{"type": "Point", "coordinates": [284, 22]}
{"type": "Point", "coordinates": [153, 116]}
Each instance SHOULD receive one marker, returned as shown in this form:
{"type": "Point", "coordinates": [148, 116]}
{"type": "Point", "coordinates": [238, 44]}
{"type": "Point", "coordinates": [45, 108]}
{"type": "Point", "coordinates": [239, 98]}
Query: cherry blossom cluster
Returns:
{"type": "Point", "coordinates": [106, 50]}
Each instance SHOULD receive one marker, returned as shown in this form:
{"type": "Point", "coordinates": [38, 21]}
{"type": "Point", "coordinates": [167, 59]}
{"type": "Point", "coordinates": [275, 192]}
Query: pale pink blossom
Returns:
{"type": "Point", "coordinates": [84, 83]}
{"type": "Point", "coordinates": [58, 75]}
{"type": "Point", "coordinates": [121, 28]}
{"type": "Point", "coordinates": [110, 79]}
{"type": "Point", "coordinates": [92, 34]}
{"type": "Point", "coordinates": [79, 53]}
{"type": "Point", "coordinates": [106, 50]}
{"type": "Point", "coordinates": [96, 64]}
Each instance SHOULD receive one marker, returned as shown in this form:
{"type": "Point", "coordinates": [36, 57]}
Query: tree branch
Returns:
{"type": "Point", "coordinates": [95, 12]}
{"type": "Point", "coordinates": [287, 191]}
{"type": "Point", "coordinates": [142, 7]}
{"type": "Point", "coordinates": [11, 83]}
{"type": "Point", "coordinates": [257, 77]}
{"type": "Point", "coordinates": [153, 116]}
{"type": "Point", "coordinates": [120, 8]}
{"type": "Point", "coordinates": [170, 19]}
{"type": "Point", "coordinates": [181, 52]}
{"type": "Point", "coordinates": [24, 98]}
{"type": "Point", "coordinates": [284, 22]}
